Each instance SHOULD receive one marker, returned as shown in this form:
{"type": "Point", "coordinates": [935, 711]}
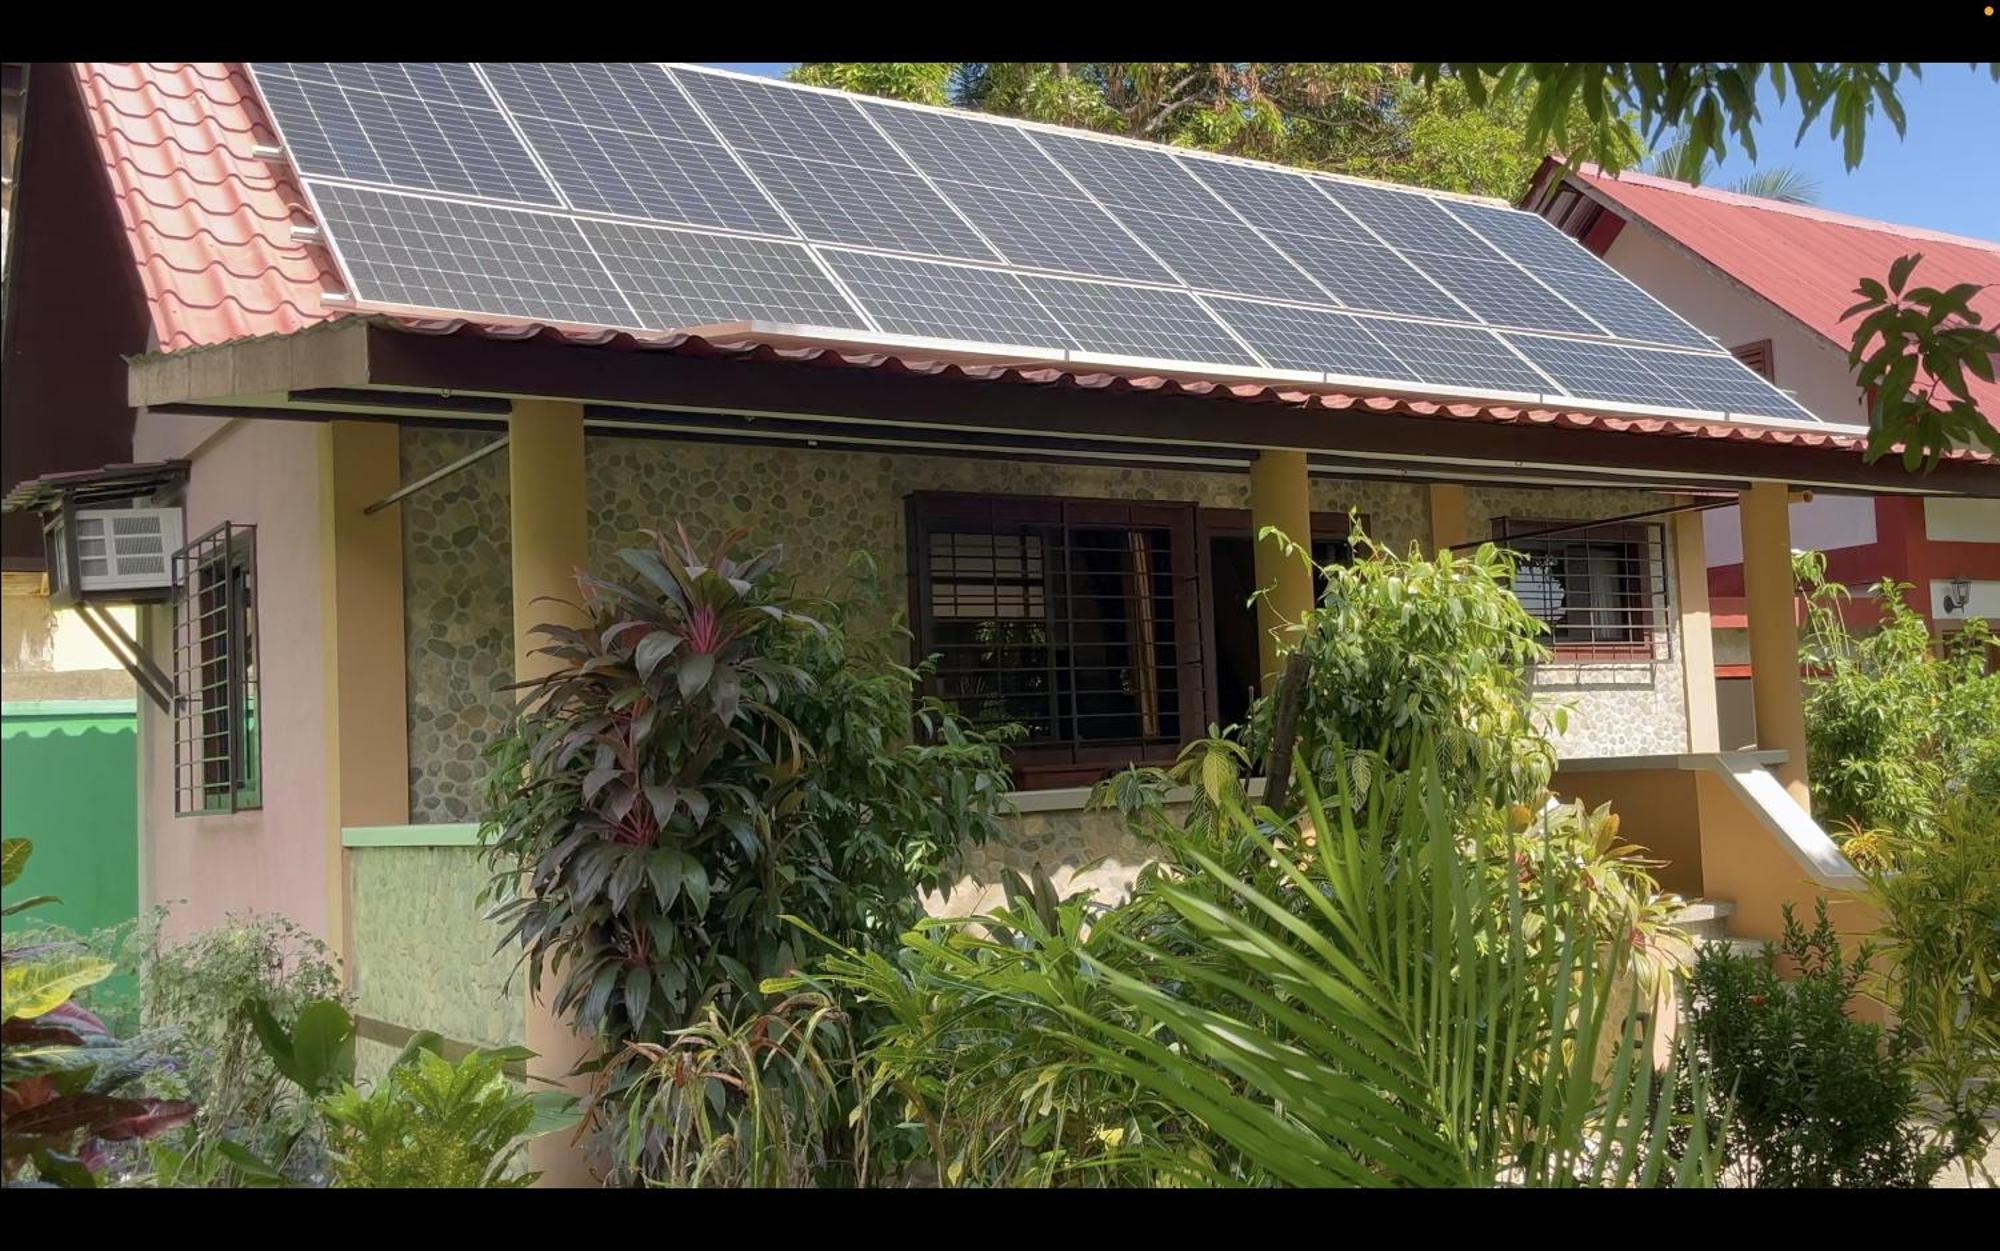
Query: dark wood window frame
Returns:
{"type": "Point", "coordinates": [1076, 759]}
{"type": "Point", "coordinates": [1643, 612]}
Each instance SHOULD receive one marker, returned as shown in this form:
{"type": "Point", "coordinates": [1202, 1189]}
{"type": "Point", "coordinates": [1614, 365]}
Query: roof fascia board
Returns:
{"type": "Point", "coordinates": [334, 354]}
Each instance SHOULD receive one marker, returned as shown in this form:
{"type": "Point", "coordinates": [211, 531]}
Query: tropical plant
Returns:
{"type": "Point", "coordinates": [1783, 183]}
{"type": "Point", "coordinates": [771, 1100]}
{"type": "Point", "coordinates": [1898, 723]}
{"type": "Point", "coordinates": [432, 1123]}
{"type": "Point", "coordinates": [207, 991]}
{"type": "Point", "coordinates": [68, 1083]}
{"type": "Point", "coordinates": [1413, 649]}
{"type": "Point", "coordinates": [1915, 376]}
{"type": "Point", "coordinates": [1937, 895]}
{"type": "Point", "coordinates": [1817, 1098]}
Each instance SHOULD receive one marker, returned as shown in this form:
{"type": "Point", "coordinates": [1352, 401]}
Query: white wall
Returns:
{"type": "Point", "coordinates": [1962, 521]}
{"type": "Point", "coordinates": [1821, 524]}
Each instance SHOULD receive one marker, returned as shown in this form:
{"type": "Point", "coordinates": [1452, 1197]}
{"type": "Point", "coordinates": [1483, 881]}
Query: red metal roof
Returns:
{"type": "Point", "coordinates": [210, 225]}
{"type": "Point", "coordinates": [1806, 260]}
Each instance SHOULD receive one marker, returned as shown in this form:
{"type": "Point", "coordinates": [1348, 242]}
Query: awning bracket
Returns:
{"type": "Point", "coordinates": [404, 492]}
{"type": "Point", "coordinates": [130, 656]}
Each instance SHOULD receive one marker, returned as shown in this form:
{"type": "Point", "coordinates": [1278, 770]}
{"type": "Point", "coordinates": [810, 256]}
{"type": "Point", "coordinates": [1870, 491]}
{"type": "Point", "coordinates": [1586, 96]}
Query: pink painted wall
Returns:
{"type": "Point", "coordinates": [262, 473]}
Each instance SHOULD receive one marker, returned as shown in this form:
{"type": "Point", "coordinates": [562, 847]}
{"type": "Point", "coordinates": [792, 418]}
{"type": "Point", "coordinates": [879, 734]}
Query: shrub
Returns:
{"type": "Point", "coordinates": [1938, 897]}
{"type": "Point", "coordinates": [1817, 1098]}
{"type": "Point", "coordinates": [1897, 723]}
{"type": "Point", "coordinates": [201, 989]}
{"type": "Point", "coordinates": [431, 1123]}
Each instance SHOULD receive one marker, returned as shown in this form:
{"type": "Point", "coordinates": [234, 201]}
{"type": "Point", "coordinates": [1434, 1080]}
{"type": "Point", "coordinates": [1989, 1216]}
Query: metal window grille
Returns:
{"type": "Point", "coordinates": [1075, 619]}
{"type": "Point", "coordinates": [216, 738]}
{"type": "Point", "coordinates": [1601, 590]}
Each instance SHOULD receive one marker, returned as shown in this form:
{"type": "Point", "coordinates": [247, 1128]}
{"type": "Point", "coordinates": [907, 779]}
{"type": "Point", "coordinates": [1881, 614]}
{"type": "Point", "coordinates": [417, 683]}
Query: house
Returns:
{"type": "Point", "coordinates": [374, 480]}
{"type": "Point", "coordinates": [1771, 281]}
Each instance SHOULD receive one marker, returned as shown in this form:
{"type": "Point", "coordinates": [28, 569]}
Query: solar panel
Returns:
{"type": "Point", "coordinates": [833, 203]}
{"type": "Point", "coordinates": [424, 253]}
{"type": "Point", "coordinates": [1502, 294]}
{"type": "Point", "coordinates": [1137, 321]}
{"type": "Point", "coordinates": [1458, 356]}
{"type": "Point", "coordinates": [1049, 232]}
{"type": "Point", "coordinates": [1310, 339]}
{"type": "Point", "coordinates": [946, 301]}
{"type": "Point", "coordinates": [338, 122]}
{"type": "Point", "coordinates": [675, 196]}
{"type": "Point", "coordinates": [1600, 371]}
{"type": "Point", "coordinates": [679, 279]}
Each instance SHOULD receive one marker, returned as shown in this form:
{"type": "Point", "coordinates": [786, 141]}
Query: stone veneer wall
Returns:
{"type": "Point", "coordinates": [1614, 710]}
{"type": "Point", "coordinates": [424, 954]}
{"type": "Point", "coordinates": [825, 506]}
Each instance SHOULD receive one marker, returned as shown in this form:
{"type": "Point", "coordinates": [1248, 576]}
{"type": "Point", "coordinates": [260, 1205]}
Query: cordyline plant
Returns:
{"type": "Point", "coordinates": [637, 791]}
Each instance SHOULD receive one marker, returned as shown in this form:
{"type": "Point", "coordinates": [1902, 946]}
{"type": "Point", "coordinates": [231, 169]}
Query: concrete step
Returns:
{"type": "Point", "coordinates": [1706, 920]}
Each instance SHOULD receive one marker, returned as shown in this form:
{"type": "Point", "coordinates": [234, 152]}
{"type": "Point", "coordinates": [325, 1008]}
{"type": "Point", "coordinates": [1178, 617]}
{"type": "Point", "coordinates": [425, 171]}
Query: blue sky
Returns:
{"type": "Point", "coordinates": [1944, 174]}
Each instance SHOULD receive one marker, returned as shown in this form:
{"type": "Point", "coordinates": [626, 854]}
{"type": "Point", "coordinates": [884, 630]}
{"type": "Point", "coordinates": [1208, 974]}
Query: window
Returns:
{"type": "Point", "coordinates": [216, 741]}
{"type": "Point", "coordinates": [1601, 590]}
{"type": "Point", "coordinates": [1077, 619]}
{"type": "Point", "coordinates": [1758, 357]}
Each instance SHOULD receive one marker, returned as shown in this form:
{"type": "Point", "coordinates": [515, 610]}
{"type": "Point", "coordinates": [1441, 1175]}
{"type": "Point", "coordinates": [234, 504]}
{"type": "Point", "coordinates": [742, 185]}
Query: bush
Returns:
{"type": "Point", "coordinates": [1897, 723]}
{"type": "Point", "coordinates": [1938, 897]}
{"type": "Point", "coordinates": [1817, 1098]}
{"type": "Point", "coordinates": [201, 989]}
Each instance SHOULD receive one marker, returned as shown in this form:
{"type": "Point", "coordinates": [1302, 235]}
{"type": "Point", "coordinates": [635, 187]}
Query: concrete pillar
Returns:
{"type": "Point", "coordinates": [1448, 525]}
{"type": "Point", "coordinates": [367, 739]}
{"type": "Point", "coordinates": [1280, 496]}
{"type": "Point", "coordinates": [1697, 635]}
{"type": "Point", "coordinates": [548, 527]}
{"type": "Point", "coordinates": [1774, 633]}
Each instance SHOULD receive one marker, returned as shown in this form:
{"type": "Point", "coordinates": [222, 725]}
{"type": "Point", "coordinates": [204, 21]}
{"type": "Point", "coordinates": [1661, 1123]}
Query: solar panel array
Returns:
{"type": "Point", "coordinates": [654, 197]}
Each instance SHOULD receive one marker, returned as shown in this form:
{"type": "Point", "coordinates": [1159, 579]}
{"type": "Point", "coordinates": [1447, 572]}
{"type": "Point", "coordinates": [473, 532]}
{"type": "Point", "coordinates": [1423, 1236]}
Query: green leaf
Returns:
{"type": "Point", "coordinates": [695, 671]}
{"type": "Point", "coordinates": [323, 1046]}
{"type": "Point", "coordinates": [14, 853]}
{"type": "Point", "coordinates": [653, 649]}
{"type": "Point", "coordinates": [35, 988]}
{"type": "Point", "coordinates": [423, 1042]}
{"type": "Point", "coordinates": [1899, 272]}
{"type": "Point", "coordinates": [33, 901]}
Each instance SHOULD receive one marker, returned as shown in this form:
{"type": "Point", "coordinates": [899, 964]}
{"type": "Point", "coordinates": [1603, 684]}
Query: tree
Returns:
{"type": "Point", "coordinates": [1784, 183]}
{"type": "Point", "coordinates": [1913, 348]}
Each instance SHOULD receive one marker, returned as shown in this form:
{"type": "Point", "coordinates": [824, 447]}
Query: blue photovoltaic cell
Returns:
{"type": "Point", "coordinates": [452, 81]}
{"type": "Point", "coordinates": [1601, 371]}
{"type": "Point", "coordinates": [959, 149]}
{"type": "Point", "coordinates": [425, 253]}
{"type": "Point", "coordinates": [1271, 199]}
{"type": "Point", "coordinates": [946, 301]}
{"type": "Point", "coordinates": [1137, 321]}
{"type": "Point", "coordinates": [632, 97]}
{"type": "Point", "coordinates": [343, 129]}
{"type": "Point", "coordinates": [869, 207]}
{"type": "Point", "coordinates": [1297, 338]}
{"type": "Point", "coordinates": [1405, 220]}
{"type": "Point", "coordinates": [1624, 309]}
{"type": "Point", "coordinates": [1050, 232]}
{"type": "Point", "coordinates": [681, 279]}
{"type": "Point", "coordinates": [765, 117]}
{"type": "Point", "coordinates": [1128, 177]}
{"type": "Point", "coordinates": [1502, 294]}
{"type": "Point", "coordinates": [633, 174]}
{"type": "Point", "coordinates": [1369, 276]}
{"type": "Point", "coordinates": [1457, 356]}
{"type": "Point", "coordinates": [1220, 256]}
{"type": "Point", "coordinates": [1720, 383]}
{"type": "Point", "coordinates": [1527, 237]}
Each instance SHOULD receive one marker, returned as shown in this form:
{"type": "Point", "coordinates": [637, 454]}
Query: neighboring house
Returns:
{"type": "Point", "coordinates": [1770, 281]}
{"type": "Point", "coordinates": [68, 724]}
{"type": "Point", "coordinates": [361, 557]}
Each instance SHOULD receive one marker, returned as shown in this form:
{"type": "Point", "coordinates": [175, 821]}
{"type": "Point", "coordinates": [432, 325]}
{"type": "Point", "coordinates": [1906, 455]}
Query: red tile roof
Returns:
{"type": "Point", "coordinates": [210, 225]}
{"type": "Point", "coordinates": [1806, 260]}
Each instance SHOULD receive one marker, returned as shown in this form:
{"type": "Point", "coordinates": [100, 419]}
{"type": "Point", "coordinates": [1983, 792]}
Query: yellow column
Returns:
{"type": "Point", "coordinates": [1448, 526]}
{"type": "Point", "coordinates": [1697, 636]}
{"type": "Point", "coordinates": [1774, 633]}
{"type": "Point", "coordinates": [1280, 497]}
{"type": "Point", "coordinates": [367, 732]}
{"type": "Point", "coordinates": [546, 484]}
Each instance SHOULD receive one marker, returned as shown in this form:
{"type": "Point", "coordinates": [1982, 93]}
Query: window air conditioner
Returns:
{"type": "Point", "coordinates": [112, 550]}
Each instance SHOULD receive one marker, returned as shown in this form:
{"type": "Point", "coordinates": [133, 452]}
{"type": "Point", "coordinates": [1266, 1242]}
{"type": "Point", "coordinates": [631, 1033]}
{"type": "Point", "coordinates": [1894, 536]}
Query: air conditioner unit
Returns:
{"type": "Point", "coordinates": [112, 554]}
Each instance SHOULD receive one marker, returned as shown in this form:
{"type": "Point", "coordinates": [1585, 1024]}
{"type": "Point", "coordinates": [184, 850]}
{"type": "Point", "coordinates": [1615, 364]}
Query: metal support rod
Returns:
{"type": "Point", "coordinates": [404, 492]}
{"type": "Point", "coordinates": [1605, 521]}
{"type": "Point", "coordinates": [126, 651]}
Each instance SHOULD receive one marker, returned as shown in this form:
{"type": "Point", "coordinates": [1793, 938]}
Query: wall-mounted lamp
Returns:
{"type": "Point", "coordinates": [1958, 596]}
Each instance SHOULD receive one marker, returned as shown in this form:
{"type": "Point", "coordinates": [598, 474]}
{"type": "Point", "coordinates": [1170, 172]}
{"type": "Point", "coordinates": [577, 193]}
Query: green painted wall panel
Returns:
{"type": "Point", "coordinates": [424, 953]}
{"type": "Point", "coordinates": [72, 788]}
